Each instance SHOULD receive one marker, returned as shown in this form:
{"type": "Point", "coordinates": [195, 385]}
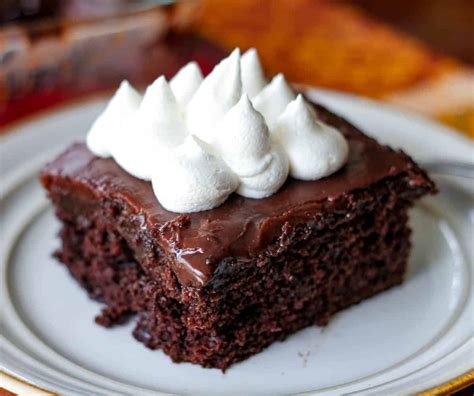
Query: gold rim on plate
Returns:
{"type": "Point", "coordinates": [16, 385]}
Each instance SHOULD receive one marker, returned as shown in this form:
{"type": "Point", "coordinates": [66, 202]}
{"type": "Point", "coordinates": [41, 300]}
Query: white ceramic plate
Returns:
{"type": "Point", "coordinates": [406, 339]}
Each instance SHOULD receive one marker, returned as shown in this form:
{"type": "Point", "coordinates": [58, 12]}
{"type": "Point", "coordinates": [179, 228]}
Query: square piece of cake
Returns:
{"type": "Point", "coordinates": [216, 286]}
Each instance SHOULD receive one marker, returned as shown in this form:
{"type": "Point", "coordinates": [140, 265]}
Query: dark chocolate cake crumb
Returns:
{"type": "Point", "coordinates": [216, 287]}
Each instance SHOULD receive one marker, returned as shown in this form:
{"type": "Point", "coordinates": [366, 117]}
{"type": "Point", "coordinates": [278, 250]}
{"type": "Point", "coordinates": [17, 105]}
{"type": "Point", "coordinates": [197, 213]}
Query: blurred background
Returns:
{"type": "Point", "coordinates": [418, 54]}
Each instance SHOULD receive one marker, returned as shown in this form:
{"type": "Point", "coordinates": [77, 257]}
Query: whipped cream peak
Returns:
{"type": "Point", "coordinates": [199, 140]}
{"type": "Point", "coordinates": [253, 77]}
{"type": "Point", "coordinates": [273, 99]}
{"type": "Point", "coordinates": [194, 179]}
{"type": "Point", "coordinates": [243, 139]}
{"type": "Point", "coordinates": [186, 82]}
{"type": "Point", "coordinates": [315, 150]}
{"type": "Point", "coordinates": [219, 91]}
{"type": "Point", "coordinates": [243, 142]}
{"type": "Point", "coordinates": [155, 126]}
{"type": "Point", "coordinates": [123, 104]}
{"type": "Point", "coordinates": [159, 117]}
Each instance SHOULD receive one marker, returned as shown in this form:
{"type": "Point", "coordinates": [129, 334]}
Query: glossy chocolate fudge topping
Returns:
{"type": "Point", "coordinates": [241, 227]}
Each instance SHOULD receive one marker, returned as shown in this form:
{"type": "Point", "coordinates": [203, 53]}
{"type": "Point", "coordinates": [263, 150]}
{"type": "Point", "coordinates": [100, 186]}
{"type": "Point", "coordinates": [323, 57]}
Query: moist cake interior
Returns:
{"type": "Point", "coordinates": [217, 286]}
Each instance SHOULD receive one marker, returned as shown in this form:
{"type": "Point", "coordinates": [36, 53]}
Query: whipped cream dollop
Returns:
{"type": "Point", "coordinates": [253, 77]}
{"type": "Point", "coordinates": [273, 99]}
{"type": "Point", "coordinates": [193, 178]}
{"type": "Point", "coordinates": [243, 141]}
{"type": "Point", "coordinates": [119, 110]}
{"type": "Point", "coordinates": [156, 125]}
{"type": "Point", "coordinates": [315, 150]}
{"type": "Point", "coordinates": [219, 91]}
{"type": "Point", "coordinates": [198, 140]}
{"type": "Point", "coordinates": [186, 82]}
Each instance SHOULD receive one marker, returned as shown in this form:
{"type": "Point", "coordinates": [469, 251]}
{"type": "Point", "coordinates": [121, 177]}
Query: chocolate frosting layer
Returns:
{"type": "Point", "coordinates": [241, 227]}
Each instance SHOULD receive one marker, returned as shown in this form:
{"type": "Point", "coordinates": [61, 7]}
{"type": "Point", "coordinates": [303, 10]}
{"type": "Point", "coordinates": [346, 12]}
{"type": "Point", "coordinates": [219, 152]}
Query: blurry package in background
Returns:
{"type": "Point", "coordinates": [51, 50]}
{"type": "Point", "coordinates": [341, 45]}
{"type": "Point", "coordinates": [54, 50]}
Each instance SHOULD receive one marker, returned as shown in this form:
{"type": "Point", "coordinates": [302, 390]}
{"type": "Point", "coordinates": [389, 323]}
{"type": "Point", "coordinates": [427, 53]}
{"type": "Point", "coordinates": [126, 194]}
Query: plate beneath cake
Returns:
{"type": "Point", "coordinates": [409, 338]}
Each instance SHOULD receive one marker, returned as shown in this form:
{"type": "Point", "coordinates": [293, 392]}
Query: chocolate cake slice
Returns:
{"type": "Point", "coordinates": [217, 286]}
